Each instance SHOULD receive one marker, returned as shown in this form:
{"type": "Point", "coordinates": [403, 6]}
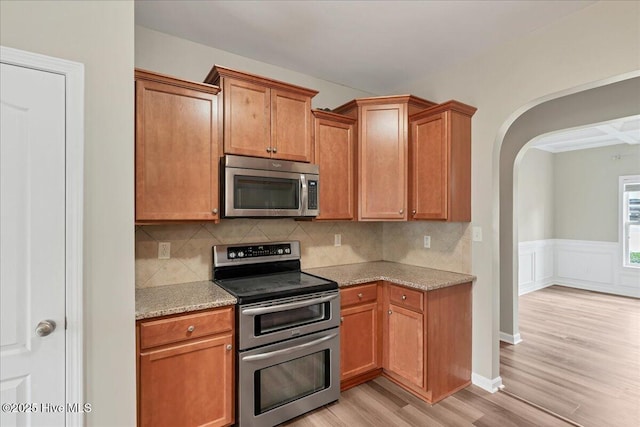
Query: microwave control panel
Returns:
{"type": "Point", "coordinates": [313, 195]}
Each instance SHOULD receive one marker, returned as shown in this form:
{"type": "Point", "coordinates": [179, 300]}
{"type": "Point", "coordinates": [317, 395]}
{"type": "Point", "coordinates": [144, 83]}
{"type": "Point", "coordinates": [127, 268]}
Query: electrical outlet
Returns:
{"type": "Point", "coordinates": [337, 240]}
{"type": "Point", "coordinates": [164, 250]}
{"type": "Point", "coordinates": [477, 234]}
{"type": "Point", "coordinates": [427, 242]}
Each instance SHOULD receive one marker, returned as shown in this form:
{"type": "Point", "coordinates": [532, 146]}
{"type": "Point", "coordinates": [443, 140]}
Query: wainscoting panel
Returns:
{"type": "Point", "coordinates": [582, 264]}
{"type": "Point", "coordinates": [536, 265]}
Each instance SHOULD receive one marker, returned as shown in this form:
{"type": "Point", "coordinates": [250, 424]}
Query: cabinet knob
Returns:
{"type": "Point", "coordinates": [268, 149]}
{"type": "Point", "coordinates": [401, 211]}
{"type": "Point", "coordinates": [214, 210]}
{"type": "Point", "coordinates": [191, 328]}
{"type": "Point", "coordinates": [413, 212]}
{"type": "Point", "coordinates": [360, 295]}
{"type": "Point", "coordinates": [341, 319]}
{"type": "Point", "coordinates": [389, 312]}
{"type": "Point", "coordinates": [229, 346]}
{"type": "Point", "coordinates": [404, 297]}
{"type": "Point", "coordinates": [275, 149]}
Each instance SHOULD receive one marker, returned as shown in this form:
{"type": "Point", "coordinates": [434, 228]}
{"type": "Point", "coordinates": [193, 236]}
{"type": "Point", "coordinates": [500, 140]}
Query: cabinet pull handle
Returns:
{"type": "Point", "coordinates": [401, 211]}
{"type": "Point", "coordinates": [389, 312]}
{"type": "Point", "coordinates": [268, 149]}
{"type": "Point", "coordinates": [215, 210]}
{"type": "Point", "coordinates": [275, 149]}
{"type": "Point", "coordinates": [360, 295]}
{"type": "Point", "coordinates": [404, 297]}
{"type": "Point", "coordinates": [229, 347]}
{"type": "Point", "coordinates": [191, 328]}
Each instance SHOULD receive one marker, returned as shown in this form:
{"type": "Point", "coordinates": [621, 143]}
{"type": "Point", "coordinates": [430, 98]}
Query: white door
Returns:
{"type": "Point", "coordinates": [32, 250]}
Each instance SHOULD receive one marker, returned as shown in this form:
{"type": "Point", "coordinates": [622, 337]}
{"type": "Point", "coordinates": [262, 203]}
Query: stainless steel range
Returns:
{"type": "Point", "coordinates": [288, 342]}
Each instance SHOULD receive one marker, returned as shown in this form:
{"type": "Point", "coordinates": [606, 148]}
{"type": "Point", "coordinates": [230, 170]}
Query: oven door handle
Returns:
{"type": "Point", "coordinates": [290, 350]}
{"type": "Point", "coordinates": [287, 306]}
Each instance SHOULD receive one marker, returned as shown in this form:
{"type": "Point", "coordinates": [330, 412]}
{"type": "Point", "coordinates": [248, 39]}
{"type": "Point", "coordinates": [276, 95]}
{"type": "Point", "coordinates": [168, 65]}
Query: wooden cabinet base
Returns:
{"type": "Point", "coordinates": [359, 379]}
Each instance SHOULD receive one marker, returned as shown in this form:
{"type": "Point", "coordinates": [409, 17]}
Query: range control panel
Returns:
{"type": "Point", "coordinates": [256, 251]}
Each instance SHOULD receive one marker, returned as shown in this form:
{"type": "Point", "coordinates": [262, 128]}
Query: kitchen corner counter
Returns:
{"type": "Point", "coordinates": [422, 278]}
{"type": "Point", "coordinates": [180, 298]}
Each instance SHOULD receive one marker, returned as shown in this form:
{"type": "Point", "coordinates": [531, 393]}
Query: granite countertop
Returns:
{"type": "Point", "coordinates": [422, 278]}
{"type": "Point", "coordinates": [181, 298]}
{"type": "Point", "coordinates": [185, 297]}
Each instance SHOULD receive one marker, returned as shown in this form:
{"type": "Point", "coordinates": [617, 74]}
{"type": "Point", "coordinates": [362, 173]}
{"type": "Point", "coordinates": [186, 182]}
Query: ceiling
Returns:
{"type": "Point", "coordinates": [375, 46]}
{"type": "Point", "coordinates": [621, 131]}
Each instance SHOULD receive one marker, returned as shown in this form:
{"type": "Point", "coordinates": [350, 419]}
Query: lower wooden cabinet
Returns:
{"type": "Point", "coordinates": [427, 339]}
{"type": "Point", "coordinates": [404, 345]}
{"type": "Point", "coordinates": [184, 380]}
{"type": "Point", "coordinates": [359, 335]}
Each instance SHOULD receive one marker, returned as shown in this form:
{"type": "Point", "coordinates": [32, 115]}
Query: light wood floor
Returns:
{"type": "Point", "coordinates": [384, 404]}
{"type": "Point", "coordinates": [580, 356]}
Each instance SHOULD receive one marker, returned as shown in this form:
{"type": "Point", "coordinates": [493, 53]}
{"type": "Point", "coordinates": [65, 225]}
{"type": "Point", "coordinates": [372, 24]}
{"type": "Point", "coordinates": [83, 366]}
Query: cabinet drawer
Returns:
{"type": "Point", "coordinates": [405, 297]}
{"type": "Point", "coordinates": [358, 294]}
{"type": "Point", "coordinates": [165, 331]}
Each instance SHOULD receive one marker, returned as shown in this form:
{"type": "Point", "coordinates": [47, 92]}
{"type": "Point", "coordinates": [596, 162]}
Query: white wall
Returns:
{"type": "Point", "coordinates": [536, 177]}
{"type": "Point", "coordinates": [586, 191]}
{"type": "Point", "coordinates": [99, 35]}
{"type": "Point", "coordinates": [163, 53]}
{"type": "Point", "coordinates": [595, 43]}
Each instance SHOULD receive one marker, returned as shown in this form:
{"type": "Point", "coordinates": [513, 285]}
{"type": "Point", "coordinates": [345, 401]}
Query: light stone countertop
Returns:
{"type": "Point", "coordinates": [422, 278]}
{"type": "Point", "coordinates": [180, 298]}
{"type": "Point", "coordinates": [185, 297]}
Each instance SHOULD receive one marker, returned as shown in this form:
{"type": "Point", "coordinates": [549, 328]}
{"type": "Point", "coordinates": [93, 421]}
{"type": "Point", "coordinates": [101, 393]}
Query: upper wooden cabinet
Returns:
{"type": "Point", "coordinates": [382, 153]}
{"type": "Point", "coordinates": [263, 117]}
{"type": "Point", "coordinates": [440, 166]}
{"type": "Point", "coordinates": [177, 150]}
{"type": "Point", "coordinates": [334, 150]}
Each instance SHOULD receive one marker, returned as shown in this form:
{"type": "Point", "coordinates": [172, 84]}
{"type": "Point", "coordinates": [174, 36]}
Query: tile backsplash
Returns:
{"type": "Point", "coordinates": [361, 242]}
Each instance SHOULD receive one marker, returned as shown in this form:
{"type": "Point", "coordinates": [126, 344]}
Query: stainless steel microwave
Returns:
{"type": "Point", "coordinates": [255, 187]}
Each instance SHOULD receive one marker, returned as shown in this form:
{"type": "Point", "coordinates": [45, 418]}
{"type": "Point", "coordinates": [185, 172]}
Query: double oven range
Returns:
{"type": "Point", "coordinates": [287, 332]}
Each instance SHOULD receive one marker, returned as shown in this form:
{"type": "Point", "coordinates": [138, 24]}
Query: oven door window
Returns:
{"type": "Point", "coordinates": [287, 319]}
{"type": "Point", "coordinates": [280, 384]}
{"type": "Point", "coordinates": [257, 192]}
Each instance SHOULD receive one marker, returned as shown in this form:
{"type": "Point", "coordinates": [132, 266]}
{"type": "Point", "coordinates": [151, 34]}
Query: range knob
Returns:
{"type": "Point", "coordinates": [240, 254]}
{"type": "Point", "coordinates": [280, 251]}
{"type": "Point", "coordinates": [232, 255]}
{"type": "Point", "coordinates": [287, 250]}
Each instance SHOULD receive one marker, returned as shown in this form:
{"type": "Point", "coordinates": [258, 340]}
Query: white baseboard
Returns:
{"type": "Point", "coordinates": [511, 339]}
{"type": "Point", "coordinates": [582, 264]}
{"type": "Point", "coordinates": [490, 385]}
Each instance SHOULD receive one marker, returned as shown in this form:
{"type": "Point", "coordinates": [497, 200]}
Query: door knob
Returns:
{"type": "Point", "coordinates": [45, 328]}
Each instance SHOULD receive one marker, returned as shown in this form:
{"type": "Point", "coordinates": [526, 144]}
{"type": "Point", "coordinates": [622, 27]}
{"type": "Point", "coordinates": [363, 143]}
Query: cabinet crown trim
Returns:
{"type": "Point", "coordinates": [320, 114]}
{"type": "Point", "coordinates": [218, 72]}
{"type": "Point", "coordinates": [391, 99]}
{"type": "Point", "coordinates": [140, 74]}
{"type": "Point", "coordinates": [451, 105]}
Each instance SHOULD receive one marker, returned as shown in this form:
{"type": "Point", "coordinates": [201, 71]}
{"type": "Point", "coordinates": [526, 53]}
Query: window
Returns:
{"type": "Point", "coordinates": [630, 220]}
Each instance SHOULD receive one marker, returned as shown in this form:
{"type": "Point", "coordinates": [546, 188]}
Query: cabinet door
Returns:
{"type": "Point", "coordinates": [334, 154]}
{"type": "Point", "coordinates": [358, 340]}
{"type": "Point", "coordinates": [383, 162]}
{"type": "Point", "coordinates": [429, 172]}
{"type": "Point", "coordinates": [290, 126]}
{"type": "Point", "coordinates": [188, 385]}
{"type": "Point", "coordinates": [247, 118]}
{"type": "Point", "coordinates": [177, 154]}
{"type": "Point", "coordinates": [404, 346]}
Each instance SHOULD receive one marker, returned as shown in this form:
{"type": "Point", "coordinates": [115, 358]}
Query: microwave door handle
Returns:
{"type": "Point", "coordinates": [286, 306]}
{"type": "Point", "coordinates": [290, 350]}
{"type": "Point", "coordinates": [305, 194]}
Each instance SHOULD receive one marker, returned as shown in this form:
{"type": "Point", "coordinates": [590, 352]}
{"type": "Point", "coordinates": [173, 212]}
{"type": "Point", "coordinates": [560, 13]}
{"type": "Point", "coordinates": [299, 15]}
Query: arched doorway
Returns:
{"type": "Point", "coordinates": [605, 100]}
